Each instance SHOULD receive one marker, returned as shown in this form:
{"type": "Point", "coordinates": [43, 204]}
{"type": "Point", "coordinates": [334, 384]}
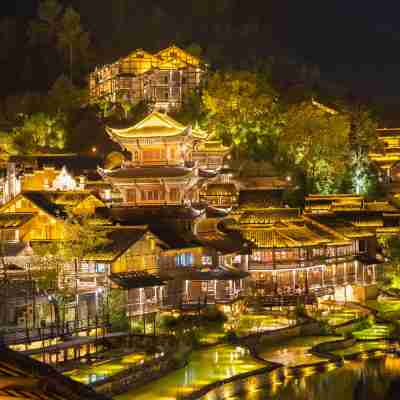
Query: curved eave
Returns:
{"type": "Point", "coordinates": [121, 136]}
{"type": "Point", "coordinates": [188, 176]}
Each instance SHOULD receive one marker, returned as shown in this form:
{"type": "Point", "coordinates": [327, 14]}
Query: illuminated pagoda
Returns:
{"type": "Point", "coordinates": [169, 162]}
{"type": "Point", "coordinates": [163, 79]}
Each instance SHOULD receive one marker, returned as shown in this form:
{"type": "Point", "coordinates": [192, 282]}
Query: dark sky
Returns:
{"type": "Point", "coordinates": [355, 42]}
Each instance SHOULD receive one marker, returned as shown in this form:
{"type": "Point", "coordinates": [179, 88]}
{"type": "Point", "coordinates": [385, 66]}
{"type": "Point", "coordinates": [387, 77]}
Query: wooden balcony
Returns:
{"type": "Point", "coordinates": [148, 307]}
{"type": "Point", "coordinates": [293, 299]}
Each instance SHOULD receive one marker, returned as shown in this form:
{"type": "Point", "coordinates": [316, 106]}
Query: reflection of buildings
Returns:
{"type": "Point", "coordinates": [163, 79]}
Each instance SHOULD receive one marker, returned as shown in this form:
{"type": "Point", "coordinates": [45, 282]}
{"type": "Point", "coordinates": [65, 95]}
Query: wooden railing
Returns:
{"type": "Point", "coordinates": [281, 300]}
{"type": "Point", "coordinates": [27, 335]}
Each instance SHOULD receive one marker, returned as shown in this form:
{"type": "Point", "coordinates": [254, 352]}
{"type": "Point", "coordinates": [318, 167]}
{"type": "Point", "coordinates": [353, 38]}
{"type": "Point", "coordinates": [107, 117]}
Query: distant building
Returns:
{"type": "Point", "coordinates": [51, 172]}
{"type": "Point", "coordinates": [163, 79]}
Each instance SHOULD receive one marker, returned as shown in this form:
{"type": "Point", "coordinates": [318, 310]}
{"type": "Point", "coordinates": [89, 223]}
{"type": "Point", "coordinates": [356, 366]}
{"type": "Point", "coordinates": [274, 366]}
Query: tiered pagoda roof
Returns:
{"type": "Point", "coordinates": [155, 125]}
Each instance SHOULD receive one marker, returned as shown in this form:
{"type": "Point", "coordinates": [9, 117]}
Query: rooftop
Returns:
{"type": "Point", "coordinates": [134, 280]}
{"type": "Point", "coordinates": [149, 172]}
{"type": "Point", "coordinates": [155, 125]}
{"type": "Point", "coordinates": [25, 378]}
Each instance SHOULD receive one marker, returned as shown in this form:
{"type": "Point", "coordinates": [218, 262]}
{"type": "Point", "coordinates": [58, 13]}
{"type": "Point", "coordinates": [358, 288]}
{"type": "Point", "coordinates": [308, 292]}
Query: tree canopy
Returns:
{"type": "Point", "coordinates": [242, 109]}
{"type": "Point", "coordinates": [40, 132]}
{"type": "Point", "coordinates": [316, 139]}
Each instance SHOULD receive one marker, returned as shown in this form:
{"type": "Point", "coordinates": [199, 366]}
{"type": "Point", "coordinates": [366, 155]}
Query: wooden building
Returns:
{"type": "Point", "coordinates": [50, 172]}
{"type": "Point", "coordinates": [169, 163]}
{"type": "Point", "coordinates": [164, 79]}
{"type": "Point", "coordinates": [296, 255]}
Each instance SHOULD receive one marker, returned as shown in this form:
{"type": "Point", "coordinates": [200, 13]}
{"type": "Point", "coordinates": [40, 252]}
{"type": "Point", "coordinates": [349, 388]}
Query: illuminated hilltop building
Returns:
{"type": "Point", "coordinates": [163, 79]}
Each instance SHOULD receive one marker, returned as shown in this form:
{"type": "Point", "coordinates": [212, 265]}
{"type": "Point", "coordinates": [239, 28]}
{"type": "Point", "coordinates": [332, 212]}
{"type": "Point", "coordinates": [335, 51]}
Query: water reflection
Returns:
{"type": "Point", "coordinates": [204, 367]}
{"type": "Point", "coordinates": [364, 380]}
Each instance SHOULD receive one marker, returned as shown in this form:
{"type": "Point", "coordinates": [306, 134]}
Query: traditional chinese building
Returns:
{"type": "Point", "coordinates": [169, 162]}
{"type": "Point", "coordinates": [163, 79]}
{"type": "Point", "coordinates": [295, 255]}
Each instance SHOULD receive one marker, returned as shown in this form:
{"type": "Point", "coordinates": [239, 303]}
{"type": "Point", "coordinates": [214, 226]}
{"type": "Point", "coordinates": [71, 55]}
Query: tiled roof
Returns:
{"type": "Point", "coordinates": [56, 203]}
{"type": "Point", "coordinates": [14, 220]}
{"type": "Point", "coordinates": [213, 233]}
{"type": "Point", "coordinates": [119, 240]}
{"type": "Point", "coordinates": [27, 378]}
{"type": "Point", "coordinates": [269, 215]}
{"type": "Point", "coordinates": [149, 172]}
{"type": "Point", "coordinates": [220, 274]}
{"type": "Point", "coordinates": [78, 164]}
{"type": "Point", "coordinates": [155, 125]}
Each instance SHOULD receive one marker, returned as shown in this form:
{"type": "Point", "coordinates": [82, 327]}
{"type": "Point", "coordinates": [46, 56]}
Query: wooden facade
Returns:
{"type": "Point", "coordinates": [164, 79]}
{"type": "Point", "coordinates": [166, 162]}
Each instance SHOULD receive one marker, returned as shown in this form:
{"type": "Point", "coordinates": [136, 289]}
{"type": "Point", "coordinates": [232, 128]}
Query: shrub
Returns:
{"type": "Point", "coordinates": [213, 314]}
{"type": "Point", "coordinates": [231, 336]}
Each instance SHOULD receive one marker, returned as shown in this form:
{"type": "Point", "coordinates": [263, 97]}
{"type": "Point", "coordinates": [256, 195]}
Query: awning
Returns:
{"type": "Point", "coordinates": [218, 274]}
{"type": "Point", "coordinates": [367, 259]}
{"type": "Point", "coordinates": [135, 280]}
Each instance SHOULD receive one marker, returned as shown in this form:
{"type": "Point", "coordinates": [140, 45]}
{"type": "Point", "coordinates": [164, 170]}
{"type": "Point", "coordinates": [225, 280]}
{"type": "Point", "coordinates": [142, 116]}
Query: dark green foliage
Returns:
{"type": "Point", "coordinates": [117, 302]}
{"type": "Point", "coordinates": [212, 314]}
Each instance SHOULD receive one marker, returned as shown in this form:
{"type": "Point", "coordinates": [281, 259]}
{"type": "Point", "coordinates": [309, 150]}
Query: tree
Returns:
{"type": "Point", "coordinates": [117, 311]}
{"type": "Point", "coordinates": [83, 235]}
{"type": "Point", "coordinates": [72, 40]}
{"type": "Point", "coordinates": [40, 132]}
{"type": "Point", "coordinates": [317, 139]}
{"type": "Point", "coordinates": [49, 278]}
{"type": "Point", "coordinates": [64, 96]}
{"type": "Point", "coordinates": [242, 109]}
{"type": "Point", "coordinates": [114, 160]}
{"type": "Point", "coordinates": [43, 31]}
{"type": "Point", "coordinates": [363, 138]}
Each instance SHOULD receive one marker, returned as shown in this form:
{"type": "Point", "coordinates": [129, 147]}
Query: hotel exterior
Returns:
{"type": "Point", "coordinates": [163, 79]}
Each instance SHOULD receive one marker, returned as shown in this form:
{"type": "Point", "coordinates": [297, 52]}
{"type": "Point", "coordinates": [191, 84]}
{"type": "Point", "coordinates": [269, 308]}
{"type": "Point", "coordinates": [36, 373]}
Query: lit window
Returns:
{"type": "Point", "coordinates": [184, 260]}
{"type": "Point", "coordinates": [100, 268]}
{"type": "Point", "coordinates": [206, 260]}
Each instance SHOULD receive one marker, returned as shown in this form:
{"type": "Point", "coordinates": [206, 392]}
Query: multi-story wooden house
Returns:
{"type": "Point", "coordinates": [296, 255]}
{"type": "Point", "coordinates": [164, 79]}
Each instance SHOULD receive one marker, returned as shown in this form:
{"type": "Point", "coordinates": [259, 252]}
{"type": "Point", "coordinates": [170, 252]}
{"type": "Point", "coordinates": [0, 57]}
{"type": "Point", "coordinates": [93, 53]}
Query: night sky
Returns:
{"type": "Point", "coordinates": [356, 43]}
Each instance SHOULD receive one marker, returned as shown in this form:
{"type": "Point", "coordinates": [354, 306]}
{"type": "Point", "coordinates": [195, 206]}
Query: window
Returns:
{"type": "Point", "coordinates": [131, 195]}
{"type": "Point", "coordinates": [362, 245]}
{"type": "Point", "coordinates": [149, 155]}
{"type": "Point", "coordinates": [206, 260]}
{"type": "Point", "coordinates": [184, 260]}
{"type": "Point", "coordinates": [176, 76]}
{"type": "Point", "coordinates": [152, 195]}
{"type": "Point", "coordinates": [9, 235]}
{"type": "Point", "coordinates": [100, 268]}
{"type": "Point", "coordinates": [174, 194]}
